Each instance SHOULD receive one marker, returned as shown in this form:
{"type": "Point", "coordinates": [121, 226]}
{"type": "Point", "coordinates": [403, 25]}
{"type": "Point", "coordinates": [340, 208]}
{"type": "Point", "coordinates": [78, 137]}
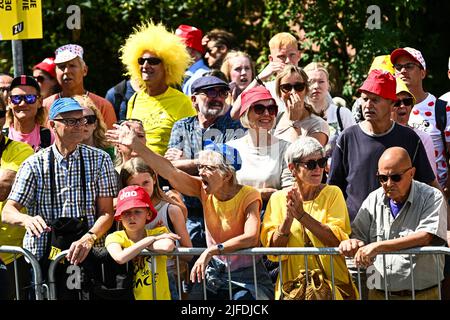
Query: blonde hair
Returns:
{"type": "Point", "coordinates": [282, 39]}
{"type": "Point", "coordinates": [164, 44]}
{"type": "Point", "coordinates": [138, 165]}
{"type": "Point", "coordinates": [317, 66]}
{"type": "Point", "coordinates": [99, 133]}
{"type": "Point", "coordinates": [226, 65]}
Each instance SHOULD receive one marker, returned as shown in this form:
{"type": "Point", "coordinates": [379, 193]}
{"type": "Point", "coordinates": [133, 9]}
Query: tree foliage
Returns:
{"type": "Point", "coordinates": [334, 31]}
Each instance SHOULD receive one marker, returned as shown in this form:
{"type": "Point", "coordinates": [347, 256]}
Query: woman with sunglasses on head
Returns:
{"type": "Point", "coordinates": [309, 213]}
{"type": "Point", "coordinates": [26, 117]}
{"type": "Point", "coordinates": [299, 119]}
{"type": "Point", "coordinates": [45, 74]}
{"type": "Point", "coordinates": [95, 128]}
{"type": "Point", "coordinates": [262, 154]}
{"type": "Point", "coordinates": [400, 114]}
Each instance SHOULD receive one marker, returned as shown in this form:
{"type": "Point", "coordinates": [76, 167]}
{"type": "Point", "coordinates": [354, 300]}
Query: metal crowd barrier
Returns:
{"type": "Point", "coordinates": [39, 286]}
{"type": "Point", "coordinates": [274, 252]}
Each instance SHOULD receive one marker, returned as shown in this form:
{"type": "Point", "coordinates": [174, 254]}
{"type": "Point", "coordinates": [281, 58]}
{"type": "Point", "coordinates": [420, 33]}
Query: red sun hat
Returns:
{"type": "Point", "coordinates": [48, 65]}
{"type": "Point", "coordinates": [381, 83]}
{"type": "Point", "coordinates": [134, 197]}
{"type": "Point", "coordinates": [253, 95]}
{"type": "Point", "coordinates": [191, 36]}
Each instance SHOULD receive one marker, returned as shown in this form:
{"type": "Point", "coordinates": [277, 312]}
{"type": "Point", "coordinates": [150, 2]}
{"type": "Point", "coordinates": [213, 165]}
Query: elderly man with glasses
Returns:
{"type": "Point", "coordinates": [65, 180]}
{"type": "Point", "coordinates": [402, 214]}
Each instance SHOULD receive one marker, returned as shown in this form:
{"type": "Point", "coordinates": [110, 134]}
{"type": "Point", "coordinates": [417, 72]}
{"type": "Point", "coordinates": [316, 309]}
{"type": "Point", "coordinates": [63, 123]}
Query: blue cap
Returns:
{"type": "Point", "coordinates": [230, 154]}
{"type": "Point", "coordinates": [63, 105]}
{"type": "Point", "coordinates": [208, 82]}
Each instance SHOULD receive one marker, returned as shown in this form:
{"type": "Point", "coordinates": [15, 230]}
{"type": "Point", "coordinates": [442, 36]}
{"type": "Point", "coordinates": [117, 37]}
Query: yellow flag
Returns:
{"type": "Point", "coordinates": [20, 19]}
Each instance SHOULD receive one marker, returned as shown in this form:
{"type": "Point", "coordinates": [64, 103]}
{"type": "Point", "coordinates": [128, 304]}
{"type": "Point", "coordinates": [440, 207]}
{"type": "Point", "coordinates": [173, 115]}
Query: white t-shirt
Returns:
{"type": "Point", "coordinates": [423, 118]}
{"type": "Point", "coordinates": [262, 167]}
{"type": "Point", "coordinates": [332, 120]}
{"type": "Point", "coordinates": [445, 97]}
{"type": "Point", "coordinates": [429, 147]}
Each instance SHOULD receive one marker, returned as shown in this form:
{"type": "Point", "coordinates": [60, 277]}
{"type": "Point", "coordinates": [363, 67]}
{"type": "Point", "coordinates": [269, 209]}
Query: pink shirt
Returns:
{"type": "Point", "coordinates": [33, 138]}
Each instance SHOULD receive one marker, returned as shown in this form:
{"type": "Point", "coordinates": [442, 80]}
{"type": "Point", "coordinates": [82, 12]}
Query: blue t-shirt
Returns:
{"type": "Point", "coordinates": [395, 207]}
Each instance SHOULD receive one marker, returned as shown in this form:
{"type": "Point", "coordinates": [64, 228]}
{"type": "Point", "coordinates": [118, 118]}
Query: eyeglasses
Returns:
{"type": "Point", "coordinates": [408, 66]}
{"type": "Point", "coordinates": [298, 86]}
{"type": "Point", "coordinates": [212, 93]}
{"type": "Point", "coordinates": [407, 102]}
{"type": "Point", "coordinates": [28, 98]}
{"type": "Point", "coordinates": [91, 119]}
{"type": "Point", "coordinates": [260, 109]}
{"type": "Point", "coordinates": [3, 89]}
{"type": "Point", "coordinates": [206, 167]}
{"type": "Point", "coordinates": [153, 61]}
{"type": "Point", "coordinates": [40, 79]}
{"type": "Point", "coordinates": [72, 122]}
{"type": "Point", "coordinates": [394, 177]}
{"type": "Point", "coordinates": [120, 122]}
{"type": "Point", "coordinates": [312, 164]}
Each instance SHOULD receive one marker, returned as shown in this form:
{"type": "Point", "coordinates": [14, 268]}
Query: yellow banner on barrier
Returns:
{"type": "Point", "coordinates": [20, 19]}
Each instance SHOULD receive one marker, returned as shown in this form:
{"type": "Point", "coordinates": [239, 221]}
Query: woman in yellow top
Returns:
{"type": "Point", "coordinates": [312, 207]}
{"type": "Point", "coordinates": [134, 210]}
{"type": "Point", "coordinates": [231, 213]}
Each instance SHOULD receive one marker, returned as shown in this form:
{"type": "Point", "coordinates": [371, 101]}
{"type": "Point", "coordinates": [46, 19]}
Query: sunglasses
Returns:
{"type": "Point", "coordinates": [312, 164]}
{"type": "Point", "coordinates": [408, 66]}
{"type": "Point", "coordinates": [212, 93]}
{"type": "Point", "coordinates": [91, 119]}
{"type": "Point", "coordinates": [28, 98]}
{"type": "Point", "coordinates": [394, 177]}
{"type": "Point", "coordinates": [260, 109]}
{"type": "Point", "coordinates": [40, 79]}
{"type": "Point", "coordinates": [153, 61]}
{"type": "Point", "coordinates": [72, 122]}
{"type": "Point", "coordinates": [407, 102]}
{"type": "Point", "coordinates": [298, 86]}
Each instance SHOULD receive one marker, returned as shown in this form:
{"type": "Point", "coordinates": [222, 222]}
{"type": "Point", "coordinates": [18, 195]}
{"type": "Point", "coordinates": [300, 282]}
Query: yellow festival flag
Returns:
{"type": "Point", "coordinates": [20, 19]}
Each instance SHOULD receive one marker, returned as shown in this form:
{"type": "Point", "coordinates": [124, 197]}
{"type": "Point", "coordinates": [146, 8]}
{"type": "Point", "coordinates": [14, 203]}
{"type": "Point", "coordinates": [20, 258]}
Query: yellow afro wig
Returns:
{"type": "Point", "coordinates": [164, 44]}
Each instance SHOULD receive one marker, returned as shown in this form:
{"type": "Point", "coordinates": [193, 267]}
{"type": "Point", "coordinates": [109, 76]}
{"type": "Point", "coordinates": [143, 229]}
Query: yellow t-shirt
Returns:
{"type": "Point", "coordinates": [13, 156]}
{"type": "Point", "coordinates": [142, 282]}
{"type": "Point", "coordinates": [225, 220]}
{"type": "Point", "coordinates": [158, 114]}
{"type": "Point", "coordinates": [328, 208]}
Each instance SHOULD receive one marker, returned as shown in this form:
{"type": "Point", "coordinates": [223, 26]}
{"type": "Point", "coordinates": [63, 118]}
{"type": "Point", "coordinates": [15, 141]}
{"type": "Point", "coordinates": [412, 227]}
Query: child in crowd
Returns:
{"type": "Point", "coordinates": [134, 211]}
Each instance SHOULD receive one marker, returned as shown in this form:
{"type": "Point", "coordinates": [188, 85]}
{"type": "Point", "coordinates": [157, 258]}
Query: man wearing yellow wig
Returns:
{"type": "Point", "coordinates": [157, 59]}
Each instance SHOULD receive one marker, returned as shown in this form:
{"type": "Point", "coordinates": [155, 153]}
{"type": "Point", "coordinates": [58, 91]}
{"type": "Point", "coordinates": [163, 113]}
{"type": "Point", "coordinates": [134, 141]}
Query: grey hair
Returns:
{"type": "Point", "coordinates": [217, 159]}
{"type": "Point", "coordinates": [302, 148]}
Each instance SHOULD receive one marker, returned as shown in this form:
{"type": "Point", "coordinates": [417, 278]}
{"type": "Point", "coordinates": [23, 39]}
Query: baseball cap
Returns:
{"type": "Point", "coordinates": [134, 197]}
{"type": "Point", "coordinates": [382, 63]}
{"type": "Point", "coordinates": [381, 83]}
{"type": "Point", "coordinates": [414, 54]}
{"type": "Point", "coordinates": [208, 82]}
{"type": "Point", "coordinates": [253, 95]}
{"type": "Point", "coordinates": [63, 105]}
{"type": "Point", "coordinates": [230, 154]}
{"type": "Point", "coordinates": [25, 80]}
{"type": "Point", "coordinates": [48, 65]}
{"type": "Point", "coordinates": [191, 36]}
{"type": "Point", "coordinates": [401, 87]}
{"type": "Point", "coordinates": [68, 52]}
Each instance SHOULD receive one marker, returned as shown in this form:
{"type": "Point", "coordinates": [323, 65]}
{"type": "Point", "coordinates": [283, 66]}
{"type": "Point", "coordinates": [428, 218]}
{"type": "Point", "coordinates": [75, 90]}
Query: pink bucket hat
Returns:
{"type": "Point", "coordinates": [253, 95]}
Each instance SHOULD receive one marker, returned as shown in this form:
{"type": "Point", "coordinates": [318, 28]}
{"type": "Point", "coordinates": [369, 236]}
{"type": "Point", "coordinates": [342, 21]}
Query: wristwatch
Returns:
{"type": "Point", "coordinates": [220, 247]}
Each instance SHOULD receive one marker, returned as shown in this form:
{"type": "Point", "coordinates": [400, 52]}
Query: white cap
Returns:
{"type": "Point", "coordinates": [68, 52]}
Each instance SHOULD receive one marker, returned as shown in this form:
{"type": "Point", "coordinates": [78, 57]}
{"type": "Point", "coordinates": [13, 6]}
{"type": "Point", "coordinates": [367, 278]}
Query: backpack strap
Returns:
{"type": "Point", "coordinates": [132, 103]}
{"type": "Point", "coordinates": [338, 115]}
{"type": "Point", "coordinates": [119, 96]}
{"type": "Point", "coordinates": [441, 122]}
{"type": "Point", "coordinates": [46, 138]}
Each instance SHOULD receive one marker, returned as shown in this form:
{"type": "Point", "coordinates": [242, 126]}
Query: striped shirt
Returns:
{"type": "Point", "coordinates": [32, 188]}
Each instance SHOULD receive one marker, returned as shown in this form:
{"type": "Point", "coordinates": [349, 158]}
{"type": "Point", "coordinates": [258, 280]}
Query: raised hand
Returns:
{"type": "Point", "coordinates": [122, 134]}
{"type": "Point", "coordinates": [294, 106]}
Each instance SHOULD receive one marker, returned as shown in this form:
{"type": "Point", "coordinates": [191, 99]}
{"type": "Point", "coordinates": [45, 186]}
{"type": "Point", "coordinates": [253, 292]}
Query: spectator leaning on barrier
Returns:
{"type": "Point", "coordinates": [12, 154]}
{"type": "Point", "coordinates": [231, 214]}
{"type": "Point", "coordinates": [67, 179]}
{"type": "Point", "coordinates": [358, 148]}
{"type": "Point", "coordinates": [402, 214]}
{"type": "Point", "coordinates": [157, 59]}
{"type": "Point", "coordinates": [70, 72]}
{"type": "Point", "coordinates": [134, 211]}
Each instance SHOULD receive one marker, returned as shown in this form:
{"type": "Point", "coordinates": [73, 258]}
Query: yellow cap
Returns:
{"type": "Point", "coordinates": [383, 63]}
{"type": "Point", "coordinates": [401, 87]}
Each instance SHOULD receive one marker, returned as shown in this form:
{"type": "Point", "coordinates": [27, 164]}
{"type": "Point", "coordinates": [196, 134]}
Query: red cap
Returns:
{"type": "Point", "coordinates": [381, 83]}
{"type": "Point", "coordinates": [134, 197]}
{"type": "Point", "coordinates": [253, 95]}
{"type": "Point", "coordinates": [412, 53]}
{"type": "Point", "coordinates": [48, 65]}
{"type": "Point", "coordinates": [191, 36]}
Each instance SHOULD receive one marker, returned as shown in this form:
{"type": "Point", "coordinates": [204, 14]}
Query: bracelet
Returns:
{"type": "Point", "coordinates": [92, 235]}
{"type": "Point", "coordinates": [286, 235]}
{"type": "Point", "coordinates": [301, 216]}
{"type": "Point", "coordinates": [259, 81]}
